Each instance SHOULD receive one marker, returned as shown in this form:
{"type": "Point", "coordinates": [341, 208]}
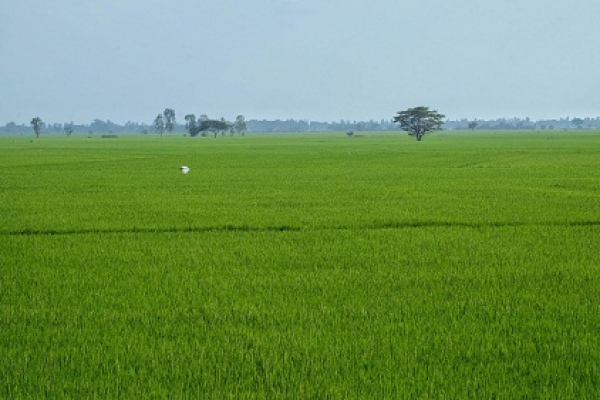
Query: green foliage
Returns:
{"type": "Point", "coordinates": [214, 125]}
{"type": "Point", "coordinates": [204, 125]}
{"type": "Point", "coordinates": [419, 120]}
{"type": "Point", "coordinates": [312, 266]}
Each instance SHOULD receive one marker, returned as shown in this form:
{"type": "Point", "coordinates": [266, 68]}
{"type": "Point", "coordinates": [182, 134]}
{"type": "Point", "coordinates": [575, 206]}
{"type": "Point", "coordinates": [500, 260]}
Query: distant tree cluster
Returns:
{"type": "Point", "coordinates": [69, 128]}
{"type": "Point", "coordinates": [523, 124]}
{"type": "Point", "coordinates": [165, 121]}
{"type": "Point", "coordinates": [294, 125]}
{"type": "Point", "coordinates": [205, 125]}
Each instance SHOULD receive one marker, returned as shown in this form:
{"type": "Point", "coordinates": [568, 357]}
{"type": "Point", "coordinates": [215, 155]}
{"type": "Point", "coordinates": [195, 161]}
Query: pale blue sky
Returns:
{"type": "Point", "coordinates": [76, 60]}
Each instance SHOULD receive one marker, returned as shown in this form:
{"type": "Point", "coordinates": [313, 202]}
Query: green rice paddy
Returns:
{"type": "Point", "coordinates": [301, 266]}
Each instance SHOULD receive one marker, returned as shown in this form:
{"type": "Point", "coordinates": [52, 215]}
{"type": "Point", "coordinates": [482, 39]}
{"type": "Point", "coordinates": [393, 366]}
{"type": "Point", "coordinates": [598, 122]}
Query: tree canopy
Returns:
{"type": "Point", "coordinates": [214, 125]}
{"type": "Point", "coordinates": [204, 125]}
{"type": "Point", "coordinates": [419, 120]}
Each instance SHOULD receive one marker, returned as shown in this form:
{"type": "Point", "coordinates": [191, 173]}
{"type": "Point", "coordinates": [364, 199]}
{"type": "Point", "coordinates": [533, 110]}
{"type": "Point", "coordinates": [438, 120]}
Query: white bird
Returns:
{"type": "Point", "coordinates": [185, 169]}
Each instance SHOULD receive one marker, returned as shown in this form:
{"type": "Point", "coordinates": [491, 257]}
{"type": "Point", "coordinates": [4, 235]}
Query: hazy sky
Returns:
{"type": "Point", "coordinates": [77, 60]}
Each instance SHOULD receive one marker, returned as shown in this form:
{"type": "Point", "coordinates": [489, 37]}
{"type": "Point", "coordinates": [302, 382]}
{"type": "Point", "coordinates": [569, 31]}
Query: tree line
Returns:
{"type": "Point", "coordinates": [523, 124]}
{"type": "Point", "coordinates": [240, 125]}
{"type": "Point", "coordinates": [203, 125]}
{"type": "Point", "coordinates": [416, 121]}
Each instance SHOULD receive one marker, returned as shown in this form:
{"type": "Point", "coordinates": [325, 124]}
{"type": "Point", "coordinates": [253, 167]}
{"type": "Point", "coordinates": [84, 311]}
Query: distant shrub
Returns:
{"type": "Point", "coordinates": [109, 136]}
{"type": "Point", "coordinates": [350, 133]}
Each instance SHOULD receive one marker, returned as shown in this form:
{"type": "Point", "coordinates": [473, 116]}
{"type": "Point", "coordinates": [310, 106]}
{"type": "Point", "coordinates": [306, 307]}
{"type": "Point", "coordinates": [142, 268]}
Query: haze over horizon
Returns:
{"type": "Point", "coordinates": [70, 60]}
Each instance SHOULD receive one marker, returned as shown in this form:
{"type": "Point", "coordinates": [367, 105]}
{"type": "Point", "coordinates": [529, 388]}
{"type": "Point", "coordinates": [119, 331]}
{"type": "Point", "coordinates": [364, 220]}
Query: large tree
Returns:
{"type": "Point", "coordinates": [419, 120]}
{"type": "Point", "coordinates": [37, 125]}
{"type": "Point", "coordinates": [169, 114]}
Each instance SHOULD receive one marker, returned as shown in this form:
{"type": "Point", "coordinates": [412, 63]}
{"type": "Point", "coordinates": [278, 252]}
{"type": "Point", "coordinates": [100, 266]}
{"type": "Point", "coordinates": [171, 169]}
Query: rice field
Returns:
{"type": "Point", "coordinates": [301, 266]}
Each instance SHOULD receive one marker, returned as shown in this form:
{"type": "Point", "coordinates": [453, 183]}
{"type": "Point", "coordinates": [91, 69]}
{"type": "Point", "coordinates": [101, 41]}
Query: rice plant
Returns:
{"type": "Point", "coordinates": [294, 266]}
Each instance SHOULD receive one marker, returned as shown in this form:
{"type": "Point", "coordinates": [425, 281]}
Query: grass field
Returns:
{"type": "Point", "coordinates": [301, 266]}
